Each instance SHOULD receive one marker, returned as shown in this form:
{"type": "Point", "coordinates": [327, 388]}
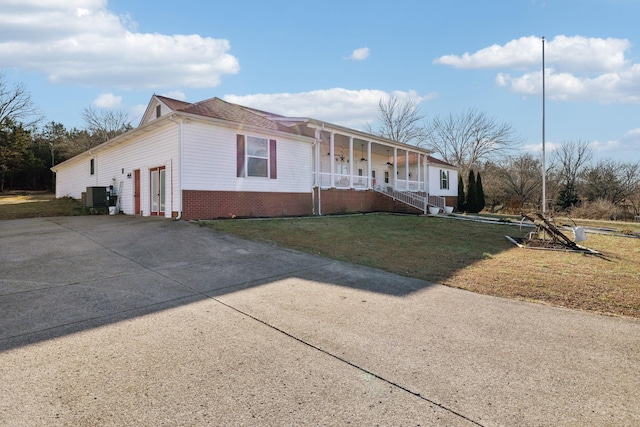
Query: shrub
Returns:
{"type": "Point", "coordinates": [597, 209]}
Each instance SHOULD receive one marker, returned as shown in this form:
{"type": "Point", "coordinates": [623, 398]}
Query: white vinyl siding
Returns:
{"type": "Point", "coordinates": [435, 181]}
{"type": "Point", "coordinates": [113, 166]}
{"type": "Point", "coordinates": [210, 161]}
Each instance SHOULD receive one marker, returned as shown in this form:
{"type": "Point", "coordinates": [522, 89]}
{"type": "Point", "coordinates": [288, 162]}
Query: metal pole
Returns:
{"type": "Point", "coordinates": [544, 165]}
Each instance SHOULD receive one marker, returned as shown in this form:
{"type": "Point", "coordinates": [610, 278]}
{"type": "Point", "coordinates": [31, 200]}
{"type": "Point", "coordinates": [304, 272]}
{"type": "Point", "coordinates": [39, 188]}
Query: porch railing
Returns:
{"type": "Point", "coordinates": [342, 181]}
{"type": "Point", "coordinates": [438, 201]}
{"type": "Point", "coordinates": [409, 185]}
{"type": "Point", "coordinates": [407, 197]}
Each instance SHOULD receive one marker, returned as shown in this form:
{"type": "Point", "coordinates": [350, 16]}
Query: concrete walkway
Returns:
{"type": "Point", "coordinates": [115, 320]}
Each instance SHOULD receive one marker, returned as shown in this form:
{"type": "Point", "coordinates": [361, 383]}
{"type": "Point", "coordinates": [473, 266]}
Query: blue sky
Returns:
{"type": "Point", "coordinates": [333, 60]}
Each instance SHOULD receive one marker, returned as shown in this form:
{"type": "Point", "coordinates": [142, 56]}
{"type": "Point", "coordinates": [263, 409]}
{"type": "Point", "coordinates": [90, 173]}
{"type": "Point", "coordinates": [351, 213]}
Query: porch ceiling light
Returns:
{"type": "Point", "coordinates": [388, 162]}
{"type": "Point", "coordinates": [362, 159]}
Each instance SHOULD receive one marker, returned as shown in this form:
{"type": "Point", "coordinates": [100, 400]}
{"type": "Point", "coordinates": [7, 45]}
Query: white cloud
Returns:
{"type": "Point", "coordinates": [360, 54]}
{"type": "Point", "coordinates": [346, 107]}
{"type": "Point", "coordinates": [573, 54]}
{"type": "Point", "coordinates": [577, 68]}
{"type": "Point", "coordinates": [108, 100]}
{"type": "Point", "coordinates": [629, 143]}
{"type": "Point", "coordinates": [520, 53]}
{"type": "Point", "coordinates": [82, 42]}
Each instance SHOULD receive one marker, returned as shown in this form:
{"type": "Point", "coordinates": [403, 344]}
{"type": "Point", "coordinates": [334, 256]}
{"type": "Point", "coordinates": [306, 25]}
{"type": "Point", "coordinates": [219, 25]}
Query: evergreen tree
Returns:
{"type": "Point", "coordinates": [15, 143]}
{"type": "Point", "coordinates": [568, 197]}
{"type": "Point", "coordinates": [472, 193]}
{"type": "Point", "coordinates": [461, 199]}
{"type": "Point", "coordinates": [480, 192]}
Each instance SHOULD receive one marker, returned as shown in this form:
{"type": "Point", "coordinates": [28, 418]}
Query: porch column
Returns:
{"type": "Point", "coordinates": [369, 182]}
{"type": "Point", "coordinates": [406, 167]}
{"type": "Point", "coordinates": [395, 168]}
{"type": "Point", "coordinates": [333, 160]}
{"type": "Point", "coordinates": [350, 162]}
{"type": "Point", "coordinates": [426, 175]}
{"type": "Point", "coordinates": [418, 177]}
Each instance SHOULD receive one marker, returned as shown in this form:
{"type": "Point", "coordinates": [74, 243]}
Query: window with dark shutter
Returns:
{"type": "Point", "coordinates": [256, 157]}
{"type": "Point", "coordinates": [444, 179]}
{"type": "Point", "coordinates": [273, 164]}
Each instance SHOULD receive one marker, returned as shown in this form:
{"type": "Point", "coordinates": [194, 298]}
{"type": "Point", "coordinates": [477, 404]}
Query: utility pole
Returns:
{"type": "Point", "coordinates": [544, 163]}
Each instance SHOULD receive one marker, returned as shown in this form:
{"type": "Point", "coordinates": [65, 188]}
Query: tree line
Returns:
{"type": "Point", "coordinates": [487, 150]}
{"type": "Point", "coordinates": [30, 146]}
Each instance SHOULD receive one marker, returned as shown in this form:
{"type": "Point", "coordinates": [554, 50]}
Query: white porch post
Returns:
{"type": "Point", "coordinates": [426, 175]}
{"type": "Point", "coordinates": [425, 178]}
{"type": "Point", "coordinates": [350, 162]}
{"type": "Point", "coordinates": [418, 177]}
{"type": "Point", "coordinates": [395, 168]}
{"type": "Point", "coordinates": [406, 167]}
{"type": "Point", "coordinates": [333, 160]}
{"type": "Point", "coordinates": [369, 183]}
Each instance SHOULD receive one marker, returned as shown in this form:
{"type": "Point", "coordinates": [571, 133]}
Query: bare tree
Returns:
{"type": "Point", "coordinates": [522, 177]}
{"type": "Point", "coordinates": [105, 124]}
{"type": "Point", "coordinates": [569, 162]}
{"type": "Point", "coordinates": [612, 181]}
{"type": "Point", "coordinates": [467, 139]}
{"type": "Point", "coordinates": [399, 120]}
{"type": "Point", "coordinates": [16, 105]}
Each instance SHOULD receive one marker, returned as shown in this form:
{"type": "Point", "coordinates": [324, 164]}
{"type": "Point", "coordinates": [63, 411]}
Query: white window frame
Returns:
{"type": "Point", "coordinates": [444, 179]}
{"type": "Point", "coordinates": [248, 156]}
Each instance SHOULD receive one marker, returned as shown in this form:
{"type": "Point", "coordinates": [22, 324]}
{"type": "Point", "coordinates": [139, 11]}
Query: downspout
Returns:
{"type": "Point", "coordinates": [314, 156]}
{"type": "Point", "coordinates": [180, 165]}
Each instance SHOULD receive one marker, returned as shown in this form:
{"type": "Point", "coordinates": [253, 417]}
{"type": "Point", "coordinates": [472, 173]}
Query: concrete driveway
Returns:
{"type": "Point", "coordinates": [115, 320]}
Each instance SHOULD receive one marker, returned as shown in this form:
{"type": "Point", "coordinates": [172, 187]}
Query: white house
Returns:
{"type": "Point", "coordinates": [215, 159]}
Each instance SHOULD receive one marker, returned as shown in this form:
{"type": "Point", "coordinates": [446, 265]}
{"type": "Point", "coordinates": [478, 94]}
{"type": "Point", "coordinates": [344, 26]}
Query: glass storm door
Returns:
{"type": "Point", "coordinates": [158, 191]}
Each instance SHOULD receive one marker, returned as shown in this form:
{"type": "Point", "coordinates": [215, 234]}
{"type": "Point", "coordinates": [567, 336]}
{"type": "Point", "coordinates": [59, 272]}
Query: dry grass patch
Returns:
{"type": "Point", "coordinates": [467, 255]}
{"type": "Point", "coordinates": [33, 205]}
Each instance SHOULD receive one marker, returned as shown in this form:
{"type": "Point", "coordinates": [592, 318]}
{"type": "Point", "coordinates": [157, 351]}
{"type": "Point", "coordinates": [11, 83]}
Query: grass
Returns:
{"type": "Point", "coordinates": [468, 255]}
{"type": "Point", "coordinates": [37, 204]}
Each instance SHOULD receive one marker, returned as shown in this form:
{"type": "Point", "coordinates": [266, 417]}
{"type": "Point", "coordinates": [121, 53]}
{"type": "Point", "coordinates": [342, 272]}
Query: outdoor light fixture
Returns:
{"type": "Point", "coordinates": [362, 159]}
{"type": "Point", "coordinates": [388, 162]}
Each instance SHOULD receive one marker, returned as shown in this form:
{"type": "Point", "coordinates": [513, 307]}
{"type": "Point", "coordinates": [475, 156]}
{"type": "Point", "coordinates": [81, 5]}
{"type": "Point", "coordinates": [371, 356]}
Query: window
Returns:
{"type": "Point", "coordinates": [444, 179]}
{"type": "Point", "coordinates": [256, 157]}
{"type": "Point", "coordinates": [92, 167]}
{"type": "Point", "coordinates": [386, 177]}
{"type": "Point", "coordinates": [158, 111]}
{"type": "Point", "coordinates": [359, 171]}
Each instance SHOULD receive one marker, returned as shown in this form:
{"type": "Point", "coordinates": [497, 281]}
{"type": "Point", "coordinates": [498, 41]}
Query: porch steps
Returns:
{"type": "Point", "coordinates": [410, 198]}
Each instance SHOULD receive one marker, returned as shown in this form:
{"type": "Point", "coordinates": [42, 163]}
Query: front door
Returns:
{"type": "Point", "coordinates": [158, 194]}
{"type": "Point", "coordinates": [136, 191]}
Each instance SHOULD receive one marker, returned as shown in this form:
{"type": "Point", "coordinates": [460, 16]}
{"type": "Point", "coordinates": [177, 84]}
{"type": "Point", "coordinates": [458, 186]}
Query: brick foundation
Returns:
{"type": "Point", "coordinates": [224, 204]}
{"type": "Point", "coordinates": [351, 201]}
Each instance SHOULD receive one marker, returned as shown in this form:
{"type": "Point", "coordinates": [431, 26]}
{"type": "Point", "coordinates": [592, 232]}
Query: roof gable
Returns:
{"type": "Point", "coordinates": [166, 105]}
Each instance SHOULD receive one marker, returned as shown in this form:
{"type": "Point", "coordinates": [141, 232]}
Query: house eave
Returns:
{"type": "Point", "coordinates": [127, 136]}
{"type": "Point", "coordinates": [242, 126]}
{"type": "Point", "coordinates": [322, 125]}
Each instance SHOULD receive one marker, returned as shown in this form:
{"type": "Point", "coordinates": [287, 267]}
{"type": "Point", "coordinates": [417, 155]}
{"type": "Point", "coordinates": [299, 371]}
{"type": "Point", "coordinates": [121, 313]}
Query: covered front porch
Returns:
{"type": "Point", "coordinates": [343, 160]}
